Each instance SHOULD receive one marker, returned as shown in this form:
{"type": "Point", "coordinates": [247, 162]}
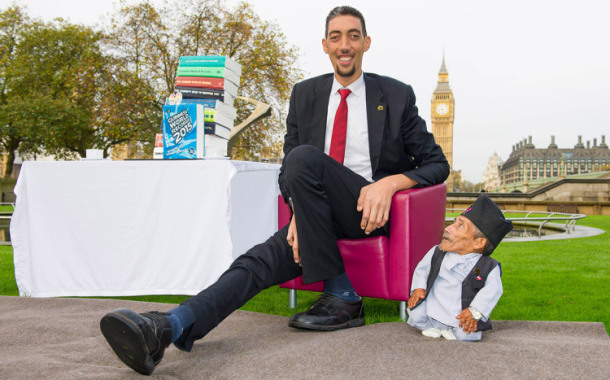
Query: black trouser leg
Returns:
{"type": "Point", "coordinates": [325, 195]}
{"type": "Point", "coordinates": [264, 265]}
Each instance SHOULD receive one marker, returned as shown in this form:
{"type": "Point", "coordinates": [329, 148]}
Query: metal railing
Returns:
{"type": "Point", "coordinates": [570, 219]}
{"type": "Point", "coordinates": [6, 216]}
{"type": "Point", "coordinates": [9, 204]}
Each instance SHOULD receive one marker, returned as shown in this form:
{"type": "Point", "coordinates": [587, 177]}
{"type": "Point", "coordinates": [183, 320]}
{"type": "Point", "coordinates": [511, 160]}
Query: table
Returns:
{"type": "Point", "coordinates": [117, 228]}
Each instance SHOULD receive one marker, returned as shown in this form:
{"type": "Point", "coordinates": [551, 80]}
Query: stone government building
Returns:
{"type": "Point", "coordinates": [572, 180]}
{"type": "Point", "coordinates": [528, 163]}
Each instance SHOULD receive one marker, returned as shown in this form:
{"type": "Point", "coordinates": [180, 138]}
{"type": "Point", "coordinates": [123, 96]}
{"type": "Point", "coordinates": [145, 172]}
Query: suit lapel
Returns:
{"type": "Point", "coordinates": [319, 111]}
{"type": "Point", "coordinates": [376, 109]}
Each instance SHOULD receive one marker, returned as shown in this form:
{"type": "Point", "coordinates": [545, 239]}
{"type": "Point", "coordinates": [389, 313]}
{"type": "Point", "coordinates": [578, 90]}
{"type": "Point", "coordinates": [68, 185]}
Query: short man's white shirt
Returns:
{"type": "Point", "coordinates": [357, 153]}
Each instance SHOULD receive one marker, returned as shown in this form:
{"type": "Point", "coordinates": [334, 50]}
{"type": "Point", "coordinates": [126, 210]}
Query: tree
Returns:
{"type": "Point", "coordinates": [150, 42]}
{"type": "Point", "coordinates": [128, 110]}
{"type": "Point", "coordinates": [12, 22]}
{"type": "Point", "coordinates": [60, 94]}
{"type": "Point", "coordinates": [59, 71]}
{"type": "Point", "coordinates": [65, 88]}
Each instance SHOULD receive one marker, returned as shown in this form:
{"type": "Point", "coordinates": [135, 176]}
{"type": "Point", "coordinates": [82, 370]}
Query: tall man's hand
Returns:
{"type": "Point", "coordinates": [375, 200]}
{"type": "Point", "coordinates": [293, 240]}
{"type": "Point", "coordinates": [418, 294]}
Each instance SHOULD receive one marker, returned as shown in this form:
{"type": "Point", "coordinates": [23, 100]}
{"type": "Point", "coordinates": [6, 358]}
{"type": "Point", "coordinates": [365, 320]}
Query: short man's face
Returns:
{"type": "Point", "coordinates": [459, 237]}
{"type": "Point", "coordinates": [345, 45]}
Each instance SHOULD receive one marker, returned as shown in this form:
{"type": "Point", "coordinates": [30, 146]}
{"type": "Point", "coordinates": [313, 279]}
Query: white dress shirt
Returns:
{"type": "Point", "coordinates": [357, 154]}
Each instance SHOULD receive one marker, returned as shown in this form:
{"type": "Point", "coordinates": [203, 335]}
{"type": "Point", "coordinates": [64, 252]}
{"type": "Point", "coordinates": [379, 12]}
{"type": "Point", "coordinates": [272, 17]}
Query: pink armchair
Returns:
{"type": "Point", "coordinates": [381, 267]}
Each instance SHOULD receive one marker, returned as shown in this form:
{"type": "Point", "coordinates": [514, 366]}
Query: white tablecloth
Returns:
{"type": "Point", "coordinates": [112, 228]}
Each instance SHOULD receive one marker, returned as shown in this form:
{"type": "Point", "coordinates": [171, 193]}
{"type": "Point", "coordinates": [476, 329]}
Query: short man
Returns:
{"type": "Point", "coordinates": [339, 174]}
{"type": "Point", "coordinates": [456, 285]}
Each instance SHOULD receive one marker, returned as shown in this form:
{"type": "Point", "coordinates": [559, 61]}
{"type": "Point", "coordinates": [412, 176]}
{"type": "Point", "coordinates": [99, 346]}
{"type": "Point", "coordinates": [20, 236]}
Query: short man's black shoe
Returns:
{"type": "Point", "coordinates": [329, 313]}
{"type": "Point", "coordinates": [139, 340]}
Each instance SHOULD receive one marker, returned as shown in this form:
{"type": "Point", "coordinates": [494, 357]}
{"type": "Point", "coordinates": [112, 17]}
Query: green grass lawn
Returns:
{"type": "Point", "coordinates": [6, 208]}
{"type": "Point", "coordinates": [560, 280]}
{"type": "Point", "coordinates": [8, 286]}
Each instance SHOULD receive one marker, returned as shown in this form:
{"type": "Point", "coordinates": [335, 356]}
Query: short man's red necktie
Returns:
{"type": "Point", "coordinates": [337, 142]}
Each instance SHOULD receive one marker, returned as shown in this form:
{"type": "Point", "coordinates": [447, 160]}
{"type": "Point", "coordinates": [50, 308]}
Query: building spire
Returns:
{"type": "Point", "coordinates": [443, 78]}
{"type": "Point", "coordinates": [443, 69]}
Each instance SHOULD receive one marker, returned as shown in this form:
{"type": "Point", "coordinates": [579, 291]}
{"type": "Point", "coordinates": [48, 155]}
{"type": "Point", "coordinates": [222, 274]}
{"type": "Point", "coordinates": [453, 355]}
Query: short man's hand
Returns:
{"type": "Point", "coordinates": [376, 199]}
{"type": "Point", "coordinates": [293, 240]}
{"type": "Point", "coordinates": [418, 294]}
{"type": "Point", "coordinates": [467, 321]}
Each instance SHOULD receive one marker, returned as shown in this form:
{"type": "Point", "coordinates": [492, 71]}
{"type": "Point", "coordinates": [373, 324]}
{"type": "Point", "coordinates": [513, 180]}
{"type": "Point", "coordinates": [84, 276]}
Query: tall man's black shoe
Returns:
{"type": "Point", "coordinates": [329, 313]}
{"type": "Point", "coordinates": [139, 340]}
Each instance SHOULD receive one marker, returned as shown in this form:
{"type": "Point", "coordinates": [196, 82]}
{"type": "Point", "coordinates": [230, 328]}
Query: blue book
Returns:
{"type": "Point", "coordinates": [215, 104]}
{"type": "Point", "coordinates": [183, 131]}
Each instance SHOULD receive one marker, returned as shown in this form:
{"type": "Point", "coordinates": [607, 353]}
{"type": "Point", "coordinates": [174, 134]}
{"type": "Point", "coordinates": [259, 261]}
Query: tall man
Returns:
{"type": "Point", "coordinates": [352, 141]}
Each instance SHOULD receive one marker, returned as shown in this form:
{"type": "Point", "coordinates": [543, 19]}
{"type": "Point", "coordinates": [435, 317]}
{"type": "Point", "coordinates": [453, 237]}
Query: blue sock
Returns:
{"type": "Point", "coordinates": [180, 318]}
{"type": "Point", "coordinates": [340, 286]}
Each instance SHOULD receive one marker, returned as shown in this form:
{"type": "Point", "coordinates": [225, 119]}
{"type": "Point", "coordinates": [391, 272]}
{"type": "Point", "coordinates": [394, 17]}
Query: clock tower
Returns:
{"type": "Point", "coordinates": [443, 111]}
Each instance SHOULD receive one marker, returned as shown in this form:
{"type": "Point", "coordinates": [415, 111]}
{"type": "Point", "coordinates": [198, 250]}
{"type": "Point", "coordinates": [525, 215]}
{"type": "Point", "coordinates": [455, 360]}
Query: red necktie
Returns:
{"type": "Point", "coordinates": [337, 142]}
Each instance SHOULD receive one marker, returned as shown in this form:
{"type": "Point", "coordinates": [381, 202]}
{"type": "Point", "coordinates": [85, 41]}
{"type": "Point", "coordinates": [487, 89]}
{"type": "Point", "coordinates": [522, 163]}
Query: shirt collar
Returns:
{"type": "Point", "coordinates": [467, 257]}
{"type": "Point", "coordinates": [357, 87]}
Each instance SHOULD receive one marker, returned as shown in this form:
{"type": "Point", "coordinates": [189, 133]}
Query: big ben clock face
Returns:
{"type": "Point", "coordinates": [442, 109]}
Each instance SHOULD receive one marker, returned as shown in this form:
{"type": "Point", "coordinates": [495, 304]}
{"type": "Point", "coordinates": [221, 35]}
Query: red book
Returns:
{"type": "Point", "coordinates": [206, 82]}
{"type": "Point", "coordinates": [159, 140]}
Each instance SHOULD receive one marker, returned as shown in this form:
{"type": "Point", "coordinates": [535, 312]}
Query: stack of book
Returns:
{"type": "Point", "coordinates": [209, 83]}
{"type": "Point", "coordinates": [208, 77]}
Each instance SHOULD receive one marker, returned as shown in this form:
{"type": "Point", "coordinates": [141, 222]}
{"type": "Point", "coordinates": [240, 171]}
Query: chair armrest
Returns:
{"type": "Point", "coordinates": [417, 221]}
{"type": "Point", "coordinates": [284, 214]}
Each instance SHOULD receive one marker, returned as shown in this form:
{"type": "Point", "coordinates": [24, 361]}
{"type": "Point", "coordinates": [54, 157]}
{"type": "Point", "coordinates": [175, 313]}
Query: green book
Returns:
{"type": "Point", "coordinates": [209, 72]}
{"type": "Point", "coordinates": [211, 61]}
{"type": "Point", "coordinates": [213, 116]}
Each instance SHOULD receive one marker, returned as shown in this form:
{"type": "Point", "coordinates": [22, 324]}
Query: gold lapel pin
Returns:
{"type": "Point", "coordinates": [380, 108]}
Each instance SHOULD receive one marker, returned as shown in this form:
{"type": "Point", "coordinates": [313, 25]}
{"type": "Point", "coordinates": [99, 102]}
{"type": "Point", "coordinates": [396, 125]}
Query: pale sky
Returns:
{"type": "Point", "coordinates": [517, 68]}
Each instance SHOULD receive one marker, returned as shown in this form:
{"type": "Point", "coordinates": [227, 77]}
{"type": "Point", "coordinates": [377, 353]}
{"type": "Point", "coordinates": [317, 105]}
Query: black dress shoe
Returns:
{"type": "Point", "coordinates": [329, 313]}
{"type": "Point", "coordinates": [139, 340]}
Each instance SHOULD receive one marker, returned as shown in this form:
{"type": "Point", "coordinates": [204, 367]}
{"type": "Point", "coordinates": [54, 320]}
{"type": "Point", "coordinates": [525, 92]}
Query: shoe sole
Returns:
{"type": "Point", "coordinates": [127, 341]}
{"type": "Point", "coordinates": [310, 326]}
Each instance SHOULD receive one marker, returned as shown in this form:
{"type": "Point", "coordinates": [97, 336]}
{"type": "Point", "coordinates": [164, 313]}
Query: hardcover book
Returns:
{"type": "Point", "coordinates": [214, 116]}
{"type": "Point", "coordinates": [183, 131]}
{"type": "Point", "coordinates": [215, 146]}
{"type": "Point", "coordinates": [211, 61]}
{"type": "Point", "coordinates": [158, 149]}
{"type": "Point", "coordinates": [215, 129]}
{"type": "Point", "coordinates": [210, 72]}
{"type": "Point", "coordinates": [216, 104]}
{"type": "Point", "coordinates": [194, 94]}
{"type": "Point", "coordinates": [205, 82]}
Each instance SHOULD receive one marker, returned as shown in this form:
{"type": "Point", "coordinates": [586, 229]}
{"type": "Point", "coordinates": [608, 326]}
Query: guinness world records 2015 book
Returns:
{"type": "Point", "coordinates": [183, 131]}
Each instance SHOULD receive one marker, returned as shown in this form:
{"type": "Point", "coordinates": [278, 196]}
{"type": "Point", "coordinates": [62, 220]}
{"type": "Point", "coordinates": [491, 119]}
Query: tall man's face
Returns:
{"type": "Point", "coordinates": [345, 45]}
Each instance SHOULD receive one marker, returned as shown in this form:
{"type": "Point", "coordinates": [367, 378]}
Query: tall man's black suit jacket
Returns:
{"type": "Point", "coordinates": [399, 141]}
